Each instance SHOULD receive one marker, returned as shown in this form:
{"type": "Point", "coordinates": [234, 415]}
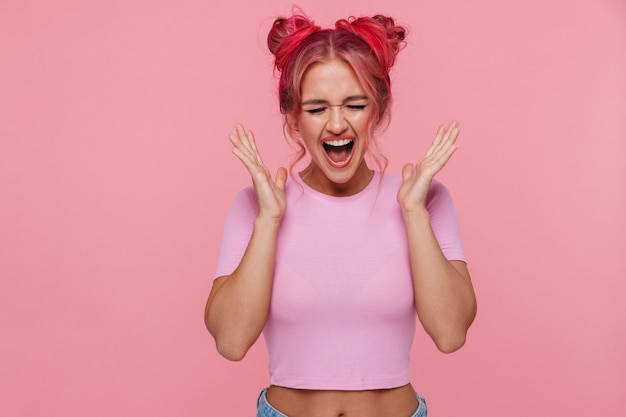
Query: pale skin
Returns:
{"type": "Point", "coordinates": [444, 296]}
{"type": "Point", "coordinates": [238, 304]}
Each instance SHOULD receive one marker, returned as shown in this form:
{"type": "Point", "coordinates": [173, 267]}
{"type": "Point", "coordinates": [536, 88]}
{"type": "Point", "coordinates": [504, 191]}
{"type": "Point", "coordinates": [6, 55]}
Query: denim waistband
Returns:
{"type": "Point", "coordinates": [265, 409]}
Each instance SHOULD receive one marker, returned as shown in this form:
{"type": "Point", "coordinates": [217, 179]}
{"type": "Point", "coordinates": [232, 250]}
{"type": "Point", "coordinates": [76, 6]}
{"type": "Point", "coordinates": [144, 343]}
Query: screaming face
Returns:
{"type": "Point", "coordinates": [333, 124]}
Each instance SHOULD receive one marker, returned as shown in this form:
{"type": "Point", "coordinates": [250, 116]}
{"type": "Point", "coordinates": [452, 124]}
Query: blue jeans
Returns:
{"type": "Point", "coordinates": [266, 410]}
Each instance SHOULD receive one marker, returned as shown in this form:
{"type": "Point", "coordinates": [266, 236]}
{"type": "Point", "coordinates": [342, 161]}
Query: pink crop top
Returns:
{"type": "Point", "coordinates": [342, 313]}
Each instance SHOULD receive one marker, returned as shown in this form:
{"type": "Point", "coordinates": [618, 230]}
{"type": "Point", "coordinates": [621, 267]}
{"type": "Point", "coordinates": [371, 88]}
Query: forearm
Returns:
{"type": "Point", "coordinates": [444, 297]}
{"type": "Point", "coordinates": [238, 305]}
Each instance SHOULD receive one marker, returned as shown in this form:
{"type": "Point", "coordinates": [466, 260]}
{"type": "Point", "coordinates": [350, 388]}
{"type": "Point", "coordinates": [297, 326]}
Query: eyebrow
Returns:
{"type": "Point", "coordinates": [320, 101]}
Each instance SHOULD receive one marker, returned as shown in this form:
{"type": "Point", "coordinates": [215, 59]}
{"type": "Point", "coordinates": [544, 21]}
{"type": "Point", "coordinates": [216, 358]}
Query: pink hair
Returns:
{"type": "Point", "coordinates": [368, 44]}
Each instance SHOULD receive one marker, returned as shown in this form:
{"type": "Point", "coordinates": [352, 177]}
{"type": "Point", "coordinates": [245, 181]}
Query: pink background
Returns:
{"type": "Point", "coordinates": [115, 177]}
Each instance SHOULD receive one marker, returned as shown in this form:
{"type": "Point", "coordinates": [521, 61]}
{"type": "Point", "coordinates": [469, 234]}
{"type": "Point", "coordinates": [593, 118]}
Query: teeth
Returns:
{"type": "Point", "coordinates": [338, 142]}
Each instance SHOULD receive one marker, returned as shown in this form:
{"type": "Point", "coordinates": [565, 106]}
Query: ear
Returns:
{"type": "Point", "coordinates": [292, 124]}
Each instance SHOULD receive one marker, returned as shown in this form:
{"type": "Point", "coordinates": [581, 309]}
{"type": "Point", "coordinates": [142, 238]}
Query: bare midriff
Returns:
{"type": "Point", "coordinates": [394, 402]}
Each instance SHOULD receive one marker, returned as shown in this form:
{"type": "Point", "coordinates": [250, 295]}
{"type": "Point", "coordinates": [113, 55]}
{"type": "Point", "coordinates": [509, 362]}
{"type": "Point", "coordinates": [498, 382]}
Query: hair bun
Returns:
{"type": "Point", "coordinates": [383, 36]}
{"type": "Point", "coordinates": [395, 33]}
{"type": "Point", "coordinates": [286, 34]}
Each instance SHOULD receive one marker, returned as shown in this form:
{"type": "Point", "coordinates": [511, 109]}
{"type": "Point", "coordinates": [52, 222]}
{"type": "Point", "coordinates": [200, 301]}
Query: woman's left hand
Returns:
{"type": "Point", "coordinates": [416, 179]}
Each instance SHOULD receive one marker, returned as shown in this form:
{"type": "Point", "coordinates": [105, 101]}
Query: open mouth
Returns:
{"type": "Point", "coordinates": [338, 151]}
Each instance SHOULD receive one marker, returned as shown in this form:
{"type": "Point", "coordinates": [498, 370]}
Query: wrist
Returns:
{"type": "Point", "coordinates": [264, 222]}
{"type": "Point", "coordinates": [416, 214]}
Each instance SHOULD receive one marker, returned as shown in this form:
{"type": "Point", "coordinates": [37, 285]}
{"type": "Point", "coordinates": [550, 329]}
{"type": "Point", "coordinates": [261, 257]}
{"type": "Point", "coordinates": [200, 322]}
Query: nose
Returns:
{"type": "Point", "coordinates": [337, 123]}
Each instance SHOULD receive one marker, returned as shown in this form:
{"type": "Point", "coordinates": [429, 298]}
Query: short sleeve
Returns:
{"type": "Point", "coordinates": [237, 231]}
{"type": "Point", "coordinates": [444, 221]}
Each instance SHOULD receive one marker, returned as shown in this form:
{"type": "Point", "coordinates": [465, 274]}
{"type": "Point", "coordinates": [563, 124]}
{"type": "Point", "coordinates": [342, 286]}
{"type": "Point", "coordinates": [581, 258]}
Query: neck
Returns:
{"type": "Point", "coordinates": [316, 179]}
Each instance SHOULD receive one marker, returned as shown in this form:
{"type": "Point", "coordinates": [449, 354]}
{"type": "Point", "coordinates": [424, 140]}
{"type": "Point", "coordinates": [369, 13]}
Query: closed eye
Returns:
{"type": "Point", "coordinates": [322, 109]}
{"type": "Point", "coordinates": [316, 110]}
{"type": "Point", "coordinates": [356, 106]}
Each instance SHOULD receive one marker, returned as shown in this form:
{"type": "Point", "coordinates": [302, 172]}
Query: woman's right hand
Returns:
{"type": "Point", "coordinates": [270, 193]}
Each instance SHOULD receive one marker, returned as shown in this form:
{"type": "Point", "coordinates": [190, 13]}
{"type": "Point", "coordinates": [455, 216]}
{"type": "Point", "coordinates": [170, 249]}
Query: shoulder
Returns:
{"type": "Point", "coordinates": [390, 183]}
{"type": "Point", "coordinates": [246, 197]}
{"type": "Point", "coordinates": [244, 201]}
{"type": "Point", "coordinates": [438, 192]}
{"type": "Point", "coordinates": [439, 202]}
{"type": "Point", "coordinates": [393, 182]}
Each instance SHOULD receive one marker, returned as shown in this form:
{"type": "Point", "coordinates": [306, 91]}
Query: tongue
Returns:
{"type": "Point", "coordinates": [338, 153]}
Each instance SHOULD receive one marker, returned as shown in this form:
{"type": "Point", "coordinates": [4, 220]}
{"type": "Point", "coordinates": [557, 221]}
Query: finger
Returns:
{"type": "Point", "coordinates": [449, 152]}
{"type": "Point", "coordinates": [281, 178]}
{"type": "Point", "coordinates": [244, 138]}
{"type": "Point", "coordinates": [254, 147]}
{"type": "Point", "coordinates": [245, 141]}
{"type": "Point", "coordinates": [447, 143]}
{"type": "Point", "coordinates": [251, 166]}
{"type": "Point", "coordinates": [245, 154]}
{"type": "Point", "coordinates": [452, 125]}
{"type": "Point", "coordinates": [448, 130]}
{"type": "Point", "coordinates": [258, 173]}
{"type": "Point", "coordinates": [407, 171]}
{"type": "Point", "coordinates": [451, 134]}
{"type": "Point", "coordinates": [448, 133]}
{"type": "Point", "coordinates": [247, 138]}
{"type": "Point", "coordinates": [250, 137]}
{"type": "Point", "coordinates": [454, 135]}
{"type": "Point", "coordinates": [238, 144]}
{"type": "Point", "coordinates": [443, 157]}
{"type": "Point", "coordinates": [437, 141]}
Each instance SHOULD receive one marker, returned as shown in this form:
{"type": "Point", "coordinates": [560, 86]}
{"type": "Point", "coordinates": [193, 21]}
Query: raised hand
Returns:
{"type": "Point", "coordinates": [416, 179]}
{"type": "Point", "coordinates": [270, 193]}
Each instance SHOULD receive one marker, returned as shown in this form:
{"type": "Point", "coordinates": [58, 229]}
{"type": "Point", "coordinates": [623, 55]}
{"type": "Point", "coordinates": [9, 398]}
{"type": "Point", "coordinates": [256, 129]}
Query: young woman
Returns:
{"type": "Point", "coordinates": [332, 263]}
